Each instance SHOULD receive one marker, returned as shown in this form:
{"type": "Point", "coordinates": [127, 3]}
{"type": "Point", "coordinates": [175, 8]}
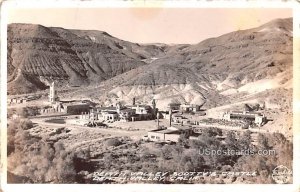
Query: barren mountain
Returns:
{"type": "Point", "coordinates": [211, 72]}
{"type": "Point", "coordinates": [70, 57]}
{"type": "Point", "coordinates": [239, 57]}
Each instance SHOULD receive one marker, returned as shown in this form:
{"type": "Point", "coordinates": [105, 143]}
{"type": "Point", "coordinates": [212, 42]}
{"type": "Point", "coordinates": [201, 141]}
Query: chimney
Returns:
{"type": "Point", "coordinates": [118, 107]}
{"type": "Point", "coordinates": [133, 101]}
{"type": "Point", "coordinates": [153, 103]}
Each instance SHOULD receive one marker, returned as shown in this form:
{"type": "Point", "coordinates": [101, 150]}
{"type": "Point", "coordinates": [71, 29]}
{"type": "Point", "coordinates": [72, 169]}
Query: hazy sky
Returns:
{"type": "Point", "coordinates": [152, 25]}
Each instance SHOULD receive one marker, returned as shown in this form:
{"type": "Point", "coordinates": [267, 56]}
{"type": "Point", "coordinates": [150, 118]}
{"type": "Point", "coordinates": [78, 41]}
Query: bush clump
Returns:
{"type": "Point", "coordinates": [112, 142]}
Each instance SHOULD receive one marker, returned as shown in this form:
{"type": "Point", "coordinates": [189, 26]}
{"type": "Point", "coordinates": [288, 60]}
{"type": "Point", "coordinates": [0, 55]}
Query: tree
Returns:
{"type": "Point", "coordinates": [197, 161]}
{"type": "Point", "coordinates": [244, 141]}
{"type": "Point", "coordinates": [262, 141]}
{"type": "Point", "coordinates": [211, 132]}
{"type": "Point", "coordinates": [230, 140]}
{"type": "Point", "coordinates": [197, 144]}
{"type": "Point", "coordinates": [177, 152]}
{"type": "Point", "coordinates": [185, 163]}
{"type": "Point", "coordinates": [183, 139]}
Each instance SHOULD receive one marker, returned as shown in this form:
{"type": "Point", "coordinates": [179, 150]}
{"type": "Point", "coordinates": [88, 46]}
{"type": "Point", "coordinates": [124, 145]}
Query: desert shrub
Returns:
{"type": "Point", "coordinates": [276, 138]}
{"type": "Point", "coordinates": [25, 124]}
{"type": "Point", "coordinates": [38, 160]}
{"type": "Point", "coordinates": [264, 165]}
{"type": "Point", "coordinates": [191, 160]}
{"type": "Point", "coordinates": [10, 112]}
{"type": "Point", "coordinates": [16, 136]}
{"type": "Point", "coordinates": [131, 158]}
{"type": "Point", "coordinates": [32, 111]}
{"type": "Point", "coordinates": [244, 141]}
{"type": "Point", "coordinates": [150, 167]}
{"type": "Point", "coordinates": [197, 161]}
{"type": "Point", "coordinates": [166, 152]}
{"type": "Point", "coordinates": [42, 163]}
{"type": "Point", "coordinates": [177, 152]}
{"type": "Point", "coordinates": [185, 164]}
{"type": "Point", "coordinates": [230, 140]}
{"type": "Point", "coordinates": [209, 142]}
{"type": "Point", "coordinates": [84, 153]}
{"type": "Point", "coordinates": [183, 139]}
{"type": "Point", "coordinates": [108, 160]}
{"type": "Point", "coordinates": [113, 142]}
{"type": "Point", "coordinates": [21, 112]}
{"type": "Point", "coordinates": [197, 144]}
{"type": "Point", "coordinates": [11, 132]}
{"type": "Point", "coordinates": [262, 142]}
{"type": "Point", "coordinates": [211, 132]}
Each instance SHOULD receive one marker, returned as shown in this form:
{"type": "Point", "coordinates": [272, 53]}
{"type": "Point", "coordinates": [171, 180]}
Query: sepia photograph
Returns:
{"type": "Point", "coordinates": [149, 95]}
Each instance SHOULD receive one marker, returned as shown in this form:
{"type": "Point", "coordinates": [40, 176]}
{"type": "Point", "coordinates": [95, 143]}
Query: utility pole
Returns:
{"type": "Point", "coordinates": [157, 117]}
{"type": "Point", "coordinates": [170, 113]}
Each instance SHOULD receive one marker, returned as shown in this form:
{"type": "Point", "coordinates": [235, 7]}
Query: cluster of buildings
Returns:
{"type": "Point", "coordinates": [16, 101]}
{"type": "Point", "coordinates": [184, 107]}
{"type": "Point", "coordinates": [72, 107]}
{"type": "Point", "coordinates": [134, 112]}
{"type": "Point", "coordinates": [22, 100]}
{"type": "Point", "coordinates": [89, 113]}
{"type": "Point", "coordinates": [258, 118]}
{"type": "Point", "coordinates": [175, 112]}
{"type": "Point", "coordinates": [67, 107]}
{"type": "Point", "coordinates": [180, 125]}
{"type": "Point", "coordinates": [138, 112]}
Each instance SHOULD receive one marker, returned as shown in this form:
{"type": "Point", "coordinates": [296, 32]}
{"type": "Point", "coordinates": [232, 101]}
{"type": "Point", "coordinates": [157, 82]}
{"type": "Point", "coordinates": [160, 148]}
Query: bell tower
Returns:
{"type": "Point", "coordinates": [52, 94]}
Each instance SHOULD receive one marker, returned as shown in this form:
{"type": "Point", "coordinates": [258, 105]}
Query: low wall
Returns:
{"type": "Point", "coordinates": [172, 137]}
{"type": "Point", "coordinates": [219, 126]}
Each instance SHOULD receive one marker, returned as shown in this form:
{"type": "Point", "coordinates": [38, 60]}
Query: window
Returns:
{"type": "Point", "coordinates": [157, 137]}
{"type": "Point", "coordinates": [152, 137]}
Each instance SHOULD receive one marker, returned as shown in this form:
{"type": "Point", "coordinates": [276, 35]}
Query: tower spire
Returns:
{"type": "Point", "coordinates": [52, 94]}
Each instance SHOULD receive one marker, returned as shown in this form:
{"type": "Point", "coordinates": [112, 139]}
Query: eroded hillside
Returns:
{"type": "Point", "coordinates": [109, 69]}
{"type": "Point", "coordinates": [69, 57]}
